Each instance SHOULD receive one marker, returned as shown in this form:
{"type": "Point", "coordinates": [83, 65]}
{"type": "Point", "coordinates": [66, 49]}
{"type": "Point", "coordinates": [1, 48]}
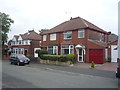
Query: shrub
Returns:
{"type": "Point", "coordinates": [109, 58]}
{"type": "Point", "coordinates": [92, 64]}
{"type": "Point", "coordinates": [40, 52]}
{"type": "Point", "coordinates": [71, 57]}
{"type": "Point", "coordinates": [49, 57]}
{"type": "Point", "coordinates": [62, 58]}
{"type": "Point", "coordinates": [105, 60]}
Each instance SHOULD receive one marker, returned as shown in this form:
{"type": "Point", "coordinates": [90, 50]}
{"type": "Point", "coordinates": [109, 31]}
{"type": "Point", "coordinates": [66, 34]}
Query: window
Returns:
{"type": "Point", "coordinates": [67, 35]}
{"type": "Point", "coordinates": [81, 34]}
{"type": "Point", "coordinates": [20, 42]}
{"type": "Point", "coordinates": [67, 49]}
{"type": "Point", "coordinates": [26, 42]}
{"type": "Point", "coordinates": [53, 50]}
{"type": "Point", "coordinates": [53, 36]}
{"type": "Point", "coordinates": [44, 37]}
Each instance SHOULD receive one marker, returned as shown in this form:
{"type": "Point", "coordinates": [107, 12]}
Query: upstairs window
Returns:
{"type": "Point", "coordinates": [67, 35]}
{"type": "Point", "coordinates": [53, 36]}
{"type": "Point", "coordinates": [44, 37]}
{"type": "Point", "coordinates": [81, 34]}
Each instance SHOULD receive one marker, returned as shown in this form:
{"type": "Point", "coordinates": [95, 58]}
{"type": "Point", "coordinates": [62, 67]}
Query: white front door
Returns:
{"type": "Point", "coordinates": [80, 55]}
{"type": "Point", "coordinates": [35, 54]}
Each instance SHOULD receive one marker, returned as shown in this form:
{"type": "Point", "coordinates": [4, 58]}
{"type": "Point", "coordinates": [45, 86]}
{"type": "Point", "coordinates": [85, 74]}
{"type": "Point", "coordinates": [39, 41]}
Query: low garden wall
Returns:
{"type": "Point", "coordinates": [57, 59]}
{"type": "Point", "coordinates": [55, 62]}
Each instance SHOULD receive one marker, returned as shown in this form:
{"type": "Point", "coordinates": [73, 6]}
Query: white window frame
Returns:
{"type": "Point", "coordinates": [54, 47]}
{"type": "Point", "coordinates": [69, 47]}
{"type": "Point", "coordinates": [53, 36]}
{"type": "Point", "coordinates": [66, 33]}
{"type": "Point", "coordinates": [81, 31]}
{"type": "Point", "coordinates": [44, 37]}
{"type": "Point", "coordinates": [17, 50]}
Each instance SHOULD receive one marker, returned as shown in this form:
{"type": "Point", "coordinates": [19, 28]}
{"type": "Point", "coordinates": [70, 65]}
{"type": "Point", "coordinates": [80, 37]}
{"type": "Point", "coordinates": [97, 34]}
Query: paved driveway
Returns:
{"type": "Point", "coordinates": [105, 66]}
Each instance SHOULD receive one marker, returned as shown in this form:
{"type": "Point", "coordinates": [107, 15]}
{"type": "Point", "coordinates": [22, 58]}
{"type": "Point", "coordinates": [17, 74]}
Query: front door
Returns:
{"type": "Point", "coordinates": [80, 55]}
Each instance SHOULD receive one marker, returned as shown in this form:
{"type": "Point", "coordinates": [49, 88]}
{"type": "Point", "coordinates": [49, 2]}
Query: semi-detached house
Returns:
{"type": "Point", "coordinates": [77, 36]}
{"type": "Point", "coordinates": [26, 43]}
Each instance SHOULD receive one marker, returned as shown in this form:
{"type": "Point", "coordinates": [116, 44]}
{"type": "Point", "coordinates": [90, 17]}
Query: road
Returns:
{"type": "Point", "coordinates": [29, 77]}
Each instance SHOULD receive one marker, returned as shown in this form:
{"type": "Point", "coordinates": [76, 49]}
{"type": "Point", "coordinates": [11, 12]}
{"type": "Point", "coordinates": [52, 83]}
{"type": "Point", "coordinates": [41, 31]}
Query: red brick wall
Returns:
{"type": "Point", "coordinates": [34, 44]}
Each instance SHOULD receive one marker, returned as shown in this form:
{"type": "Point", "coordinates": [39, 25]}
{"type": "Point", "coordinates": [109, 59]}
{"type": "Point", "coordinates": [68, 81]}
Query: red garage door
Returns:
{"type": "Point", "coordinates": [96, 55]}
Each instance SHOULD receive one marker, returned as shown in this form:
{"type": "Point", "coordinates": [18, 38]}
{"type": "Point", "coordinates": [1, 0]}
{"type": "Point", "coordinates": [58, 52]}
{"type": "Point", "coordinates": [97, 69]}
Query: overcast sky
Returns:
{"type": "Point", "coordinates": [41, 14]}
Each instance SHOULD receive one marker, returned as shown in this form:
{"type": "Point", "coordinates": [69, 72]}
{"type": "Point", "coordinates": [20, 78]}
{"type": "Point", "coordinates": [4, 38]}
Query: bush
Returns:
{"type": "Point", "coordinates": [92, 64]}
{"type": "Point", "coordinates": [71, 57]}
{"type": "Point", "coordinates": [50, 57]}
{"type": "Point", "coordinates": [109, 58]}
{"type": "Point", "coordinates": [40, 52]}
{"type": "Point", "coordinates": [105, 60]}
{"type": "Point", "coordinates": [62, 58]}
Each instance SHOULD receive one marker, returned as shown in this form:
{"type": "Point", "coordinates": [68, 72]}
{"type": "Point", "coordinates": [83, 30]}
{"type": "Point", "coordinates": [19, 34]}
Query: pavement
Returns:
{"type": "Point", "coordinates": [106, 66]}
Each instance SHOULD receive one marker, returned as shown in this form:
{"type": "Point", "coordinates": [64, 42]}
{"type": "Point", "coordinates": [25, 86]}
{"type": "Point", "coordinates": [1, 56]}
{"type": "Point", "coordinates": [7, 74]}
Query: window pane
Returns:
{"type": "Point", "coordinates": [67, 35]}
{"type": "Point", "coordinates": [65, 46]}
{"type": "Point", "coordinates": [44, 37]}
{"type": "Point", "coordinates": [71, 51]}
{"type": "Point", "coordinates": [53, 36]}
{"type": "Point", "coordinates": [65, 51]}
{"type": "Point", "coordinates": [81, 34]}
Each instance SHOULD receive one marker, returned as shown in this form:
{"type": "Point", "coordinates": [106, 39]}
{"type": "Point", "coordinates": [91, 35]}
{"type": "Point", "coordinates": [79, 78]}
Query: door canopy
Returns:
{"type": "Point", "coordinates": [79, 46]}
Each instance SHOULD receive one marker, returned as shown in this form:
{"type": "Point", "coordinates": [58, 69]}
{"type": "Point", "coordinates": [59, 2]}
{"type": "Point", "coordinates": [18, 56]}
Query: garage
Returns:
{"type": "Point", "coordinates": [114, 53]}
{"type": "Point", "coordinates": [96, 55]}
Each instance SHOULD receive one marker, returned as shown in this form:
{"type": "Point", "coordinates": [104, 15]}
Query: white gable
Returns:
{"type": "Point", "coordinates": [20, 38]}
{"type": "Point", "coordinates": [14, 39]}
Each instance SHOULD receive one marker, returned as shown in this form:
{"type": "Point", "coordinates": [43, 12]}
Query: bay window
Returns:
{"type": "Point", "coordinates": [53, 50]}
{"type": "Point", "coordinates": [67, 49]}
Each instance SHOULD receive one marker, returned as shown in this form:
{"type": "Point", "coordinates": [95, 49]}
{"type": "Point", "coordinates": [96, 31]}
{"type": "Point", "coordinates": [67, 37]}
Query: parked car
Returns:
{"type": "Point", "coordinates": [19, 59]}
{"type": "Point", "coordinates": [118, 69]}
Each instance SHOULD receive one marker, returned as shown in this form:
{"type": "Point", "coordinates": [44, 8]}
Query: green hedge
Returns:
{"type": "Point", "coordinates": [41, 52]}
{"type": "Point", "coordinates": [61, 58]}
{"type": "Point", "coordinates": [71, 57]}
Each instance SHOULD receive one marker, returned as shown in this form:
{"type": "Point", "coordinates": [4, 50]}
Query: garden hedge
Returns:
{"type": "Point", "coordinates": [60, 58]}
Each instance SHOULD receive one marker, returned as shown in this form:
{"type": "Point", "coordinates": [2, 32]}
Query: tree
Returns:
{"type": "Point", "coordinates": [43, 30]}
{"type": "Point", "coordinates": [5, 23]}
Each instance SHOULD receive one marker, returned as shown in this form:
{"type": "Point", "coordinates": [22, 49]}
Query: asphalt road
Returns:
{"type": "Point", "coordinates": [30, 77]}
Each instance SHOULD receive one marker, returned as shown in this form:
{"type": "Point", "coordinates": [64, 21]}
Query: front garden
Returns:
{"type": "Point", "coordinates": [46, 58]}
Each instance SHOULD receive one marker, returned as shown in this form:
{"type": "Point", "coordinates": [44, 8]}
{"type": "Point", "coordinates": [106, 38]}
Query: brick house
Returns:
{"type": "Point", "coordinates": [26, 43]}
{"type": "Point", "coordinates": [77, 36]}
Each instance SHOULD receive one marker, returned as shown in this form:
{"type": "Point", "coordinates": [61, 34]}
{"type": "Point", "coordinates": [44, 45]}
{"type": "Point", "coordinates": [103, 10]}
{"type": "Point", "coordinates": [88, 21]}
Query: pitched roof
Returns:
{"type": "Point", "coordinates": [112, 37]}
{"type": "Point", "coordinates": [103, 44]}
{"type": "Point", "coordinates": [16, 36]}
{"type": "Point", "coordinates": [74, 24]}
{"type": "Point", "coordinates": [31, 35]}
